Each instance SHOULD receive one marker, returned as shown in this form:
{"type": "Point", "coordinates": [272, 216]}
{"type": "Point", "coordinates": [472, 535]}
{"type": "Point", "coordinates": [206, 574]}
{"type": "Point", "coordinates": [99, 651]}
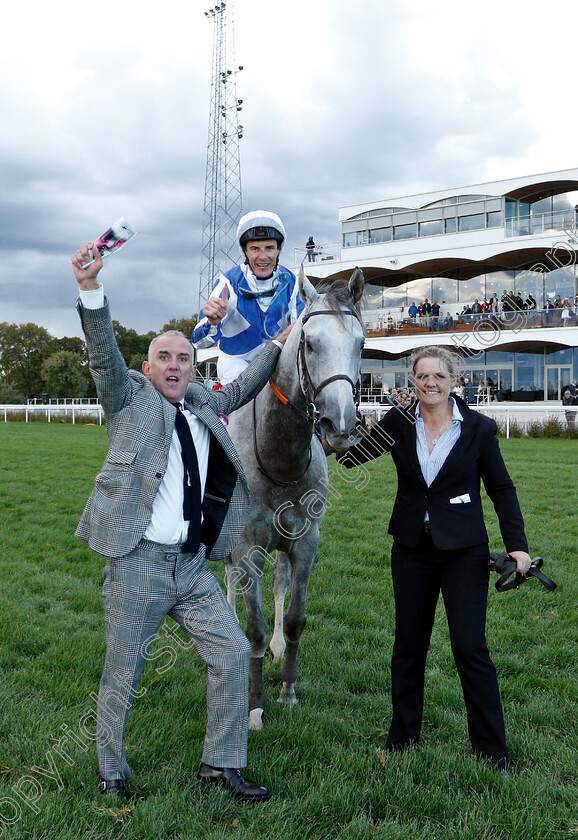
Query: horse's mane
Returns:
{"type": "Point", "coordinates": [337, 296]}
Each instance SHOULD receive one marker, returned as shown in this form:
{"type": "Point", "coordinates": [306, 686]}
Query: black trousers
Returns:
{"type": "Point", "coordinates": [462, 577]}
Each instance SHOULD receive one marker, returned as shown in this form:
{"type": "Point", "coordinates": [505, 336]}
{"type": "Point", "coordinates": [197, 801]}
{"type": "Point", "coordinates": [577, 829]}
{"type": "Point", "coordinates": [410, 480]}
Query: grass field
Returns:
{"type": "Point", "coordinates": [324, 761]}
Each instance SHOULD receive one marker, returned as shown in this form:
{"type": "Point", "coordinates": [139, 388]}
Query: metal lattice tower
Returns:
{"type": "Point", "coordinates": [223, 205]}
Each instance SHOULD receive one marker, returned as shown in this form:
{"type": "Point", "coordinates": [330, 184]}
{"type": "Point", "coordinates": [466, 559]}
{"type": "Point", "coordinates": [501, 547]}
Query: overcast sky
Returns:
{"type": "Point", "coordinates": [104, 112]}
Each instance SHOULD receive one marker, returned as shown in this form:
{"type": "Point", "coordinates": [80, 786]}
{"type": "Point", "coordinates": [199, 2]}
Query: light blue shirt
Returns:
{"type": "Point", "coordinates": [431, 463]}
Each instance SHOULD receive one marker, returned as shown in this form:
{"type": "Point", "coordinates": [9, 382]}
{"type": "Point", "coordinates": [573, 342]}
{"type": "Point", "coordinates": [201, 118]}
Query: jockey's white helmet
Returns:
{"type": "Point", "coordinates": [260, 224]}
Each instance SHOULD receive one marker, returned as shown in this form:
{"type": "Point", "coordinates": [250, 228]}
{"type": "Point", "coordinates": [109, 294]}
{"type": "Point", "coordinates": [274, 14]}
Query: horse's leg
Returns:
{"type": "Point", "coordinates": [248, 564]}
{"type": "Point", "coordinates": [294, 624]}
{"type": "Point", "coordinates": [281, 578]}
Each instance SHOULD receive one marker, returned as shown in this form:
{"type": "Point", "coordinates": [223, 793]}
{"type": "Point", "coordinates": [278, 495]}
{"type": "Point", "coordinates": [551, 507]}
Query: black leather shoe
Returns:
{"type": "Point", "coordinates": [112, 787]}
{"type": "Point", "coordinates": [227, 777]}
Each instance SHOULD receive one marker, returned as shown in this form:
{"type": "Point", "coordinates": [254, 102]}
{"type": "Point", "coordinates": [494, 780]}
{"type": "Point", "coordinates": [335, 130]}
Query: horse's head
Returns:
{"type": "Point", "coordinates": [329, 358]}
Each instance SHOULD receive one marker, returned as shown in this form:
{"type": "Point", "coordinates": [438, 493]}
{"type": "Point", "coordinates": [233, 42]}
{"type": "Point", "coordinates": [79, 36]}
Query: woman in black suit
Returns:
{"type": "Point", "coordinates": [441, 450]}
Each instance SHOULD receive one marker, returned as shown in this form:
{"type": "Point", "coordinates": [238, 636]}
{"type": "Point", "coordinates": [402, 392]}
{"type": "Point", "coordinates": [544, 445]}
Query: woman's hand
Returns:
{"type": "Point", "coordinates": [523, 561]}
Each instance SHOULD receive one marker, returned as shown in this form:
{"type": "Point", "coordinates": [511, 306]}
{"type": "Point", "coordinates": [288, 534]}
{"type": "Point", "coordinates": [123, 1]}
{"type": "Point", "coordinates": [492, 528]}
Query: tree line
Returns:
{"type": "Point", "coordinates": [33, 362]}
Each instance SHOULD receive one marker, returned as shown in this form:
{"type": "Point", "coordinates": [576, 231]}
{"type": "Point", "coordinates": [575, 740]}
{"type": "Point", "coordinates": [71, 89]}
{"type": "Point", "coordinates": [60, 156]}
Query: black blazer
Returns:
{"type": "Point", "coordinates": [476, 455]}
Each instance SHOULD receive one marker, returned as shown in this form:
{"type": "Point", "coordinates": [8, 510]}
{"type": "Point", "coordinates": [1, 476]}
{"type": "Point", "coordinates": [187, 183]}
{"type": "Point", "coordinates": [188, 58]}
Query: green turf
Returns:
{"type": "Point", "coordinates": [324, 761]}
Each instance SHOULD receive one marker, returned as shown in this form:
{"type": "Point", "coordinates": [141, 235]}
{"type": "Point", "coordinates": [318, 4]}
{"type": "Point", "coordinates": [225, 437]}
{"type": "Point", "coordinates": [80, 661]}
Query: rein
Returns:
{"type": "Point", "coordinates": [310, 392]}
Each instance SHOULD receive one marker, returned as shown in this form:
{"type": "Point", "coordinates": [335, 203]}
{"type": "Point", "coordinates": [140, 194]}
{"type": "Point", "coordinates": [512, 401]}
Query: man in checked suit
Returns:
{"type": "Point", "coordinates": [135, 519]}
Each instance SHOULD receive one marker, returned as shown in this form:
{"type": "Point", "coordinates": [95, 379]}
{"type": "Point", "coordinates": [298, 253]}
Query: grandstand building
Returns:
{"type": "Point", "coordinates": [513, 240]}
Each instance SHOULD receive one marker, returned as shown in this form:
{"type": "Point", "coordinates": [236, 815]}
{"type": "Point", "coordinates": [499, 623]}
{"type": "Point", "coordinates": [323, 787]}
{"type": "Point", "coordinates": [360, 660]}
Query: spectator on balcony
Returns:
{"type": "Point", "coordinates": [435, 314]}
{"type": "Point", "coordinates": [468, 390]}
{"type": "Point", "coordinates": [476, 310]}
{"type": "Point", "coordinates": [310, 246]}
{"type": "Point", "coordinates": [548, 312]}
{"type": "Point", "coordinates": [412, 311]}
{"type": "Point", "coordinates": [557, 313]}
{"type": "Point", "coordinates": [566, 313]}
{"type": "Point", "coordinates": [464, 315]}
{"type": "Point", "coordinates": [530, 306]}
{"type": "Point", "coordinates": [448, 322]}
{"type": "Point", "coordinates": [424, 310]}
{"type": "Point", "coordinates": [530, 302]}
{"type": "Point", "coordinates": [404, 398]}
{"type": "Point", "coordinates": [508, 306]}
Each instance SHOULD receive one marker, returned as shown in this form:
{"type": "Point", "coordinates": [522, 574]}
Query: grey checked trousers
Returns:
{"type": "Point", "coordinates": [139, 590]}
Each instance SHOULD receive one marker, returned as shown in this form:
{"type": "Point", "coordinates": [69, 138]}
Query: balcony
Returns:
{"type": "Point", "coordinates": [520, 320]}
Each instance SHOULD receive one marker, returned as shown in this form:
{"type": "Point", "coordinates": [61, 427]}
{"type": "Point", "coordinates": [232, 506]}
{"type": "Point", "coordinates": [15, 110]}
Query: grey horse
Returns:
{"type": "Point", "coordinates": [286, 468]}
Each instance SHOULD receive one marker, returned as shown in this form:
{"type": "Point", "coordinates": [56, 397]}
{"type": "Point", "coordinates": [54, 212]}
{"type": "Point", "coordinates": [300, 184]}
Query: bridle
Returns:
{"type": "Point", "coordinates": [310, 392]}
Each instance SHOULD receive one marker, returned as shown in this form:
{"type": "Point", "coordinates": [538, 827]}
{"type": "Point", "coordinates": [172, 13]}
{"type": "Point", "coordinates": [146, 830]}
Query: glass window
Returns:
{"type": "Point", "coordinates": [395, 297]}
{"type": "Point", "coordinates": [419, 290]}
{"type": "Point", "coordinates": [499, 282]}
{"type": "Point", "coordinates": [373, 297]}
{"type": "Point", "coordinates": [565, 201]}
{"type": "Point", "coordinates": [561, 281]}
{"type": "Point", "coordinates": [451, 225]}
{"type": "Point", "coordinates": [500, 357]}
{"type": "Point", "coordinates": [444, 290]}
{"type": "Point", "coordinates": [475, 222]}
{"type": "Point", "coordinates": [471, 289]}
{"type": "Point", "coordinates": [405, 231]}
{"type": "Point", "coordinates": [431, 228]}
{"type": "Point", "coordinates": [380, 235]}
{"type": "Point", "coordinates": [494, 219]}
{"type": "Point", "coordinates": [350, 240]}
{"type": "Point", "coordinates": [542, 206]}
{"type": "Point", "coordinates": [559, 357]}
{"type": "Point", "coordinates": [463, 199]}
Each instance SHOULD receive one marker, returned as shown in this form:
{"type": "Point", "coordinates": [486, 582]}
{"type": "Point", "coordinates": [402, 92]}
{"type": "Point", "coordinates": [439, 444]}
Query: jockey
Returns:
{"type": "Point", "coordinates": [250, 303]}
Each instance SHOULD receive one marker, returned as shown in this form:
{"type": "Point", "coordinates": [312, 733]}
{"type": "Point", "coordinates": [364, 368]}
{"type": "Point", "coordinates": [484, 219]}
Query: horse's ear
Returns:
{"type": "Point", "coordinates": [356, 285]}
{"type": "Point", "coordinates": [306, 288]}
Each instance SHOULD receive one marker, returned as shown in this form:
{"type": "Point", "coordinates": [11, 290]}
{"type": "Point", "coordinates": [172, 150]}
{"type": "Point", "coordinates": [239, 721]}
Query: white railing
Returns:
{"type": "Point", "coordinates": [53, 412]}
{"type": "Point", "coordinates": [323, 252]}
{"type": "Point", "coordinates": [504, 415]}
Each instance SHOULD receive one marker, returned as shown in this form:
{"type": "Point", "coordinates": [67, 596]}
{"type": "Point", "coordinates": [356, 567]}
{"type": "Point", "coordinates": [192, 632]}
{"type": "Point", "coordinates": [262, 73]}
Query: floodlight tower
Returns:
{"type": "Point", "coordinates": [223, 206]}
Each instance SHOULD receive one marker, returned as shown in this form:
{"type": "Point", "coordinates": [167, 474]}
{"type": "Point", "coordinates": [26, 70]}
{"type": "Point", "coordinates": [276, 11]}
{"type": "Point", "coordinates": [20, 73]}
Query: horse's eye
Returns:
{"type": "Point", "coordinates": [309, 345]}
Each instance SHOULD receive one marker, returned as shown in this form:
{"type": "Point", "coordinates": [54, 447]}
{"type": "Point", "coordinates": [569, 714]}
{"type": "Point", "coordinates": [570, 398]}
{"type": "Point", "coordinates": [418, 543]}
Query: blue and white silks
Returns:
{"type": "Point", "coordinates": [257, 311]}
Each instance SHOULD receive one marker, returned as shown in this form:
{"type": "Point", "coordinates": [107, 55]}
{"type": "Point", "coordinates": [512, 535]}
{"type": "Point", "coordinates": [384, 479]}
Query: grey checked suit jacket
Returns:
{"type": "Point", "coordinates": [139, 423]}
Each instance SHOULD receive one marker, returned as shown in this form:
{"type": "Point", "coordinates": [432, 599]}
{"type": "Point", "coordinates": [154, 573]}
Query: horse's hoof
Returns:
{"type": "Point", "coordinates": [288, 696]}
{"type": "Point", "coordinates": [256, 720]}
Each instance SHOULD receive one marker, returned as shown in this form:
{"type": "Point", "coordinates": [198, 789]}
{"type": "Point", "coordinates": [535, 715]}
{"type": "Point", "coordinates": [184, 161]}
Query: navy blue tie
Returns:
{"type": "Point", "coordinates": [191, 482]}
